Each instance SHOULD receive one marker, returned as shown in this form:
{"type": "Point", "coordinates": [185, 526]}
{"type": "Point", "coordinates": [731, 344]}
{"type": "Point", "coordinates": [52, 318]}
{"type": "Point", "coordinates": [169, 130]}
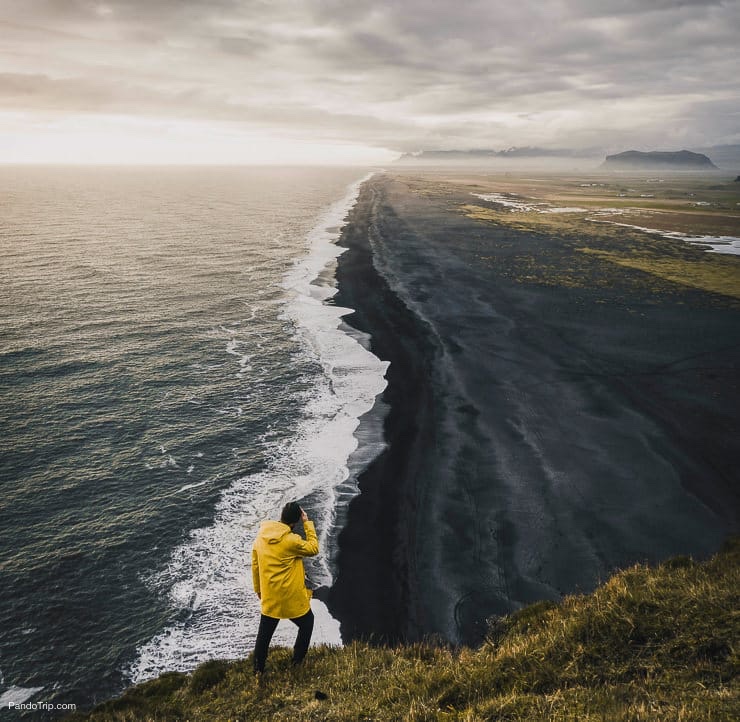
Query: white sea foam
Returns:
{"type": "Point", "coordinates": [354, 375]}
{"type": "Point", "coordinates": [232, 347]}
{"type": "Point", "coordinates": [208, 577]}
{"type": "Point", "coordinates": [17, 695]}
{"type": "Point", "coordinates": [194, 485]}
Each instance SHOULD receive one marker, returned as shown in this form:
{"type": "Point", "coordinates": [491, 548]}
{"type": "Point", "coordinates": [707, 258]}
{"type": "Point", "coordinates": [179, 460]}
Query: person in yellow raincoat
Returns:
{"type": "Point", "coordinates": [279, 580]}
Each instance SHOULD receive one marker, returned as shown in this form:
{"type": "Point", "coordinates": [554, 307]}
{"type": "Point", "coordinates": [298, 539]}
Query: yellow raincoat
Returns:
{"type": "Point", "coordinates": [277, 568]}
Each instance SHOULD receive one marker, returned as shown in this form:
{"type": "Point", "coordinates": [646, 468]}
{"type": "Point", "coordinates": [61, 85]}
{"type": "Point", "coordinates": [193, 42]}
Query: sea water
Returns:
{"type": "Point", "coordinates": [172, 371]}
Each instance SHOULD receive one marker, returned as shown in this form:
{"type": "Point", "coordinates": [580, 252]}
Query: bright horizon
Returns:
{"type": "Point", "coordinates": [244, 82]}
{"type": "Point", "coordinates": [166, 142]}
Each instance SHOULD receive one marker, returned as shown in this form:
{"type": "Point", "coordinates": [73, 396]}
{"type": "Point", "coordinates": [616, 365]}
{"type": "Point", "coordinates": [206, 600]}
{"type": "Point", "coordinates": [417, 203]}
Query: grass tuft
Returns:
{"type": "Point", "coordinates": [208, 675]}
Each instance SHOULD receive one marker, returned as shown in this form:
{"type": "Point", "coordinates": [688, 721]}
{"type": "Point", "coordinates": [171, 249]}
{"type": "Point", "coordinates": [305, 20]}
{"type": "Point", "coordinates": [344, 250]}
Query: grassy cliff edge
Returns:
{"type": "Point", "coordinates": [656, 643]}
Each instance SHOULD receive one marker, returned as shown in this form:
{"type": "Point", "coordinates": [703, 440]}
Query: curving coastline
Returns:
{"type": "Point", "coordinates": [534, 445]}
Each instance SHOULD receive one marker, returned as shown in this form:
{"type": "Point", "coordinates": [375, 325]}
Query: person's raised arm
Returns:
{"type": "Point", "coordinates": [309, 546]}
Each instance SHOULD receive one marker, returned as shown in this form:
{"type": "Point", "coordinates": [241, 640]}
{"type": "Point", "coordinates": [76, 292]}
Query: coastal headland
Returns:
{"type": "Point", "coordinates": [563, 388]}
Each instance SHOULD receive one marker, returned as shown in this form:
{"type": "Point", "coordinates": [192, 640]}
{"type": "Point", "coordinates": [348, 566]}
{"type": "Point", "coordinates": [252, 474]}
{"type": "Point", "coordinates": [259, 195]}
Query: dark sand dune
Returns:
{"type": "Point", "coordinates": [539, 435]}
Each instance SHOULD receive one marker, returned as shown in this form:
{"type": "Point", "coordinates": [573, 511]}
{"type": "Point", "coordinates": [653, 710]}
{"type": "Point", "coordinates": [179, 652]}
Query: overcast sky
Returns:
{"type": "Point", "coordinates": [361, 80]}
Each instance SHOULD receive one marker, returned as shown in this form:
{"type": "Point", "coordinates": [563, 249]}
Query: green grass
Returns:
{"type": "Point", "coordinates": [650, 644]}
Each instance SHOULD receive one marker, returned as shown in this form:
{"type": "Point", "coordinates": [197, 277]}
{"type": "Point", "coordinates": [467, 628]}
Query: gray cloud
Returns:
{"type": "Point", "coordinates": [400, 75]}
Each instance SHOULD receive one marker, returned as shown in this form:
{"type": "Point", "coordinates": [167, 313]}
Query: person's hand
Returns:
{"type": "Point", "coordinates": [304, 516]}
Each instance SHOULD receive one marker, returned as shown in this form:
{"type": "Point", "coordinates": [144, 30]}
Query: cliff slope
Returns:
{"type": "Point", "coordinates": [656, 643]}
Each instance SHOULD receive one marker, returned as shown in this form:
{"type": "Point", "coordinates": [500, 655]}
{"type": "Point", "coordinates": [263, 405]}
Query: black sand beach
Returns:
{"type": "Point", "coordinates": [540, 435]}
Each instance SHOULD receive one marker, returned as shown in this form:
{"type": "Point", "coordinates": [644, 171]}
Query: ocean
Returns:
{"type": "Point", "coordinates": [172, 372]}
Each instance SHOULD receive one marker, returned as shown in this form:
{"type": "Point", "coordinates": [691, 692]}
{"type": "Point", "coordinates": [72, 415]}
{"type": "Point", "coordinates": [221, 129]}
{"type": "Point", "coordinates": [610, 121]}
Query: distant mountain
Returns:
{"type": "Point", "coordinates": [482, 154]}
{"type": "Point", "coordinates": [724, 156]}
{"type": "Point", "coordinates": [658, 160]}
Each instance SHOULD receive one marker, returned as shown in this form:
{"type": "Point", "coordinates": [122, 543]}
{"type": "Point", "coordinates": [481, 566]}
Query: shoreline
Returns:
{"type": "Point", "coordinates": [370, 595]}
{"type": "Point", "coordinates": [528, 456]}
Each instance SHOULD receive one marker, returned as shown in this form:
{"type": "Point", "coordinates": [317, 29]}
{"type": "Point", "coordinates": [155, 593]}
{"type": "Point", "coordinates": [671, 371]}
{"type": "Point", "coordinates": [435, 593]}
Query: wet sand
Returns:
{"type": "Point", "coordinates": [540, 435]}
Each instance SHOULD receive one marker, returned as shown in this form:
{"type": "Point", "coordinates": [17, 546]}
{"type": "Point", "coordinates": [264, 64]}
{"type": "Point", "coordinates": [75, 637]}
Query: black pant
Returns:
{"type": "Point", "coordinates": [267, 629]}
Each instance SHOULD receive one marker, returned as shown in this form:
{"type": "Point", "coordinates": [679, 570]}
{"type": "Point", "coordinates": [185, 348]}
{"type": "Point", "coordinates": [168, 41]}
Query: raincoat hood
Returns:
{"type": "Point", "coordinates": [273, 531]}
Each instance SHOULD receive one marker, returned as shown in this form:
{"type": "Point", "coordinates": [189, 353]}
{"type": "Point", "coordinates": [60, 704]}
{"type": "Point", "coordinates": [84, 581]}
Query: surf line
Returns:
{"type": "Point", "coordinates": [355, 377]}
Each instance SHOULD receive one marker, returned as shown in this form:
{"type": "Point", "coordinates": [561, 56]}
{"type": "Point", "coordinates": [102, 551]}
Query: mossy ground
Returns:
{"type": "Point", "coordinates": [650, 644]}
{"type": "Point", "coordinates": [616, 254]}
{"type": "Point", "coordinates": [666, 266]}
{"type": "Point", "coordinates": [685, 202]}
